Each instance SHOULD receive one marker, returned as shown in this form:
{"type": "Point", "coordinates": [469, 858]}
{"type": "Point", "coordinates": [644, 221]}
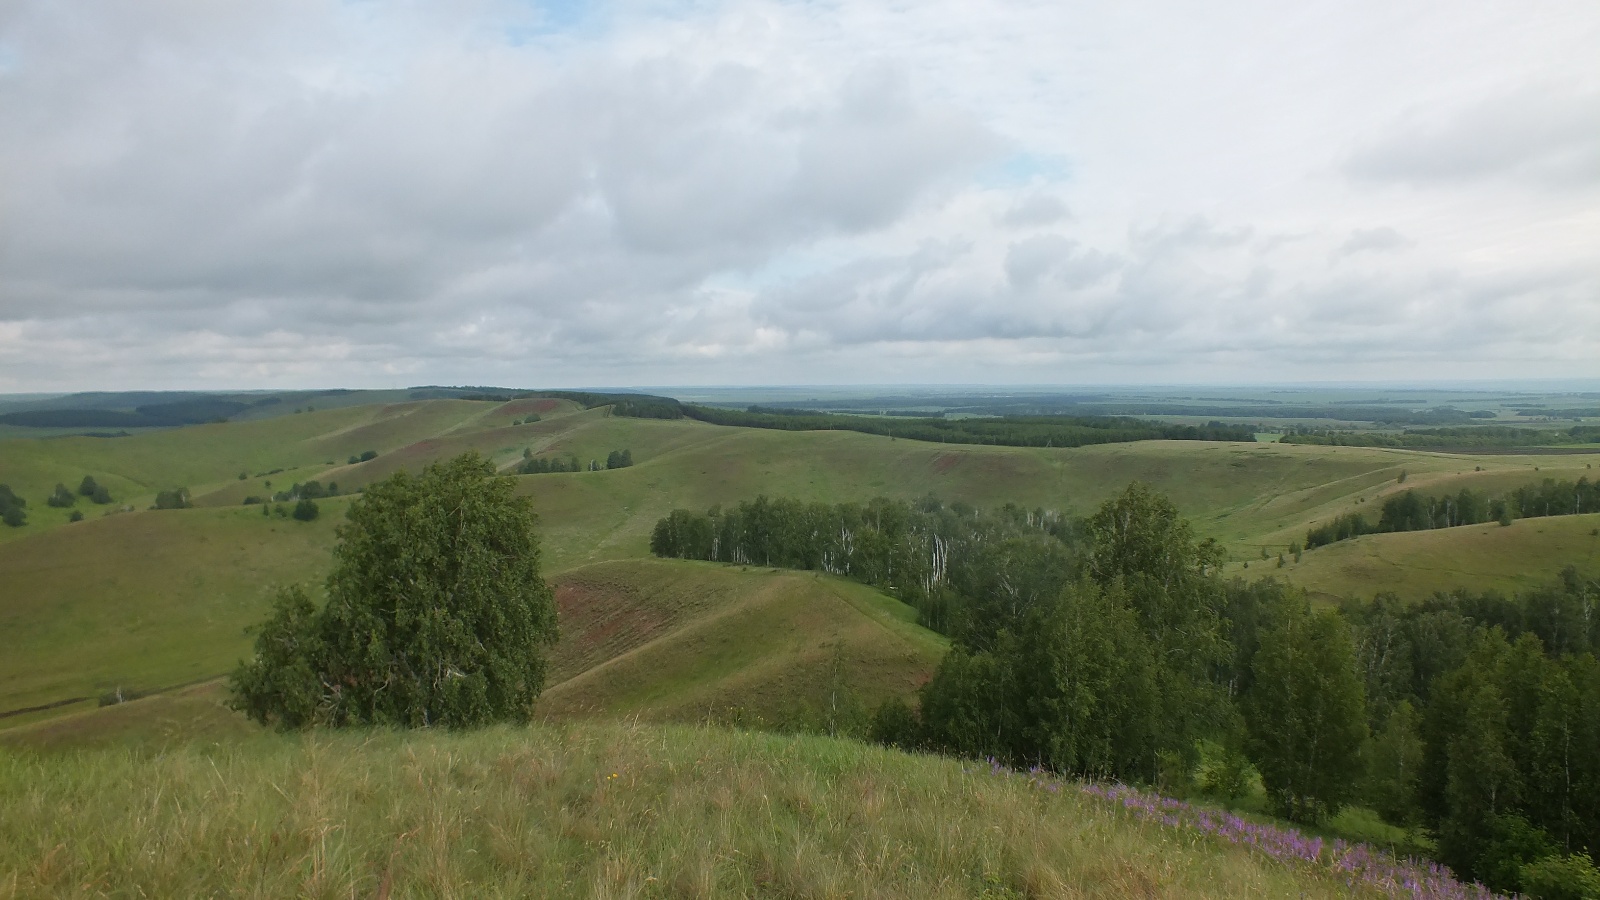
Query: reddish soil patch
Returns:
{"type": "Point", "coordinates": [599, 621]}
{"type": "Point", "coordinates": [944, 462]}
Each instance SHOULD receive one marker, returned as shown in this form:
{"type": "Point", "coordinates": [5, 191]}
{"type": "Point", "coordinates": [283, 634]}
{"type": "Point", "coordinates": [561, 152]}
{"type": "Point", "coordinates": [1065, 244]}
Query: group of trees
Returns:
{"type": "Point", "coordinates": [361, 457]}
{"type": "Point", "coordinates": [13, 509]}
{"type": "Point", "coordinates": [175, 498]}
{"type": "Point", "coordinates": [1486, 716]}
{"type": "Point", "coordinates": [1112, 648]}
{"type": "Point", "coordinates": [541, 465]}
{"type": "Point", "coordinates": [935, 557]}
{"type": "Point", "coordinates": [1412, 511]}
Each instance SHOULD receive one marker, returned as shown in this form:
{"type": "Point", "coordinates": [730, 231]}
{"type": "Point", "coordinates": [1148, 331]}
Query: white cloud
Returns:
{"type": "Point", "coordinates": [320, 193]}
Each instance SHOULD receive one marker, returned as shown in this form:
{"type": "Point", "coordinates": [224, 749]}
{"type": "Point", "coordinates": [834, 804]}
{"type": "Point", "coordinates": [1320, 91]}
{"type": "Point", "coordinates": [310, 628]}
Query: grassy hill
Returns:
{"type": "Point", "coordinates": [674, 640]}
{"type": "Point", "coordinates": [597, 810]}
{"type": "Point", "coordinates": [1415, 564]}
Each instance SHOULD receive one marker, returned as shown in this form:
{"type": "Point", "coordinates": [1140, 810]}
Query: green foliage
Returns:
{"type": "Point", "coordinates": [967, 573]}
{"type": "Point", "coordinates": [1014, 431]}
{"type": "Point", "coordinates": [88, 486]}
{"type": "Point", "coordinates": [1557, 877]}
{"type": "Point", "coordinates": [1306, 715]}
{"type": "Point", "coordinates": [541, 465]}
{"type": "Point", "coordinates": [306, 510]}
{"type": "Point", "coordinates": [61, 497]}
{"type": "Point", "coordinates": [12, 507]}
{"type": "Point", "coordinates": [1412, 511]}
{"type": "Point", "coordinates": [75, 516]}
{"type": "Point", "coordinates": [101, 495]}
{"type": "Point", "coordinates": [176, 498]}
{"type": "Point", "coordinates": [619, 459]}
{"type": "Point", "coordinates": [895, 724]}
{"type": "Point", "coordinates": [436, 612]}
{"type": "Point", "coordinates": [1394, 760]}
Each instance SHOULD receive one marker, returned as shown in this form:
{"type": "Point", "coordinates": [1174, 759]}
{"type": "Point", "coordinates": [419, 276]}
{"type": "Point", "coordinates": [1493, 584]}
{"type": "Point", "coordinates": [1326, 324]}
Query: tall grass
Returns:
{"type": "Point", "coordinates": [594, 810]}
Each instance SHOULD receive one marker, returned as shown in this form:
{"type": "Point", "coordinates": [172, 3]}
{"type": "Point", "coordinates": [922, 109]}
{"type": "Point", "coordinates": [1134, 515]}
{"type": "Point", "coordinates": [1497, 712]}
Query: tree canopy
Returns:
{"type": "Point", "coordinates": [436, 612]}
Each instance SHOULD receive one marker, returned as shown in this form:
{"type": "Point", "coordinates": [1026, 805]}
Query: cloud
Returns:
{"type": "Point", "coordinates": [1377, 240]}
{"type": "Point", "coordinates": [1035, 210]}
{"type": "Point", "coordinates": [323, 193]}
{"type": "Point", "coordinates": [1547, 136]}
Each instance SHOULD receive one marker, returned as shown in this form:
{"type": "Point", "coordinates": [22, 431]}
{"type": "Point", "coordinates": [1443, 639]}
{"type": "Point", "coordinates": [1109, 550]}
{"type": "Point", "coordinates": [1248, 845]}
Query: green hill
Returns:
{"type": "Point", "coordinates": [1415, 564]}
{"type": "Point", "coordinates": [666, 640]}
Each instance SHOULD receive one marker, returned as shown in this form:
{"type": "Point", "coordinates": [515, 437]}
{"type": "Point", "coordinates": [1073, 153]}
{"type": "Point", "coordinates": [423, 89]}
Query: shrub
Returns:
{"type": "Point", "coordinates": [61, 497]}
{"type": "Point", "coordinates": [75, 516]}
{"type": "Point", "coordinates": [14, 516]}
{"type": "Point", "coordinates": [305, 510]}
{"type": "Point", "coordinates": [177, 498]}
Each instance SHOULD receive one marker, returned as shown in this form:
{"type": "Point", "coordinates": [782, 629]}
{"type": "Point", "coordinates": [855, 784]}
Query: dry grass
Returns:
{"type": "Point", "coordinates": [593, 810]}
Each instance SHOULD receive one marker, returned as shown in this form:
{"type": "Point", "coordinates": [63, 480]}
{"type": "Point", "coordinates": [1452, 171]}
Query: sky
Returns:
{"type": "Point", "coordinates": [230, 195]}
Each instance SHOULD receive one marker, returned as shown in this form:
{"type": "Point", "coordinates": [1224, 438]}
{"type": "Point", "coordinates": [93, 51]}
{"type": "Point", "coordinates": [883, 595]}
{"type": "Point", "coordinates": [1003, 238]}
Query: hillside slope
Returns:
{"type": "Point", "coordinates": [595, 810]}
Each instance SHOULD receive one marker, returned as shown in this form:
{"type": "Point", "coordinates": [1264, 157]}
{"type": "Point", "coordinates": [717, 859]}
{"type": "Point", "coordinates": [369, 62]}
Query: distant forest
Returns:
{"type": "Point", "coordinates": [1480, 437]}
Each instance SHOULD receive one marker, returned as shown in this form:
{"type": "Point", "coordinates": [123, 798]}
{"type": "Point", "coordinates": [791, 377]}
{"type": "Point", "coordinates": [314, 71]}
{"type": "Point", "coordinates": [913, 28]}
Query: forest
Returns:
{"type": "Point", "coordinates": [1110, 647]}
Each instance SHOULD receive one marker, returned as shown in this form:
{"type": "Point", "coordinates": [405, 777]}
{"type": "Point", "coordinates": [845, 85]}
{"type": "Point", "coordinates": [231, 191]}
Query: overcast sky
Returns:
{"type": "Point", "coordinates": [229, 194]}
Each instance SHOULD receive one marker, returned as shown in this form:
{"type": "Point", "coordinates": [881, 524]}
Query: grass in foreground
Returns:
{"type": "Point", "coordinates": [610, 810]}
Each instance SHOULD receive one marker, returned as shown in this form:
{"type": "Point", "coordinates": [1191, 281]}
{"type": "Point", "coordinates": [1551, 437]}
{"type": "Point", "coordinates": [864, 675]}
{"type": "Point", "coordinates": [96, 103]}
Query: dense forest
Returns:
{"type": "Point", "coordinates": [1412, 511]}
{"type": "Point", "coordinates": [1110, 647]}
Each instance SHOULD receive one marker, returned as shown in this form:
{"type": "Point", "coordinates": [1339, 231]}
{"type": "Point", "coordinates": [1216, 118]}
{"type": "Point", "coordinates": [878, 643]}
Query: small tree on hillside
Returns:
{"type": "Point", "coordinates": [87, 486]}
{"type": "Point", "coordinates": [436, 612]}
{"type": "Point", "coordinates": [306, 510]}
{"type": "Point", "coordinates": [61, 497]}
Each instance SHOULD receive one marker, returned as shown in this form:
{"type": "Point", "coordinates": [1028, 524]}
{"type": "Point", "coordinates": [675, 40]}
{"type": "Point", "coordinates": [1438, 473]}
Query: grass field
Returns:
{"type": "Point", "coordinates": [595, 810]}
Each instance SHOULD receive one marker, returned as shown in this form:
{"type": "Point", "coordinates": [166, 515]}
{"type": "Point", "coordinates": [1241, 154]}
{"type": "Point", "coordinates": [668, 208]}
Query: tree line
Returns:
{"type": "Point", "coordinates": [1412, 511]}
{"type": "Point", "coordinates": [543, 465]}
{"type": "Point", "coordinates": [1110, 647]}
{"type": "Point", "coordinates": [1477, 437]}
{"type": "Point", "coordinates": [1011, 431]}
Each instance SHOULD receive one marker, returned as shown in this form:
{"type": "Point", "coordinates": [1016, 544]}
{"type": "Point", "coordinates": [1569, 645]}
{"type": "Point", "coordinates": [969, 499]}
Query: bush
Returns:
{"type": "Point", "coordinates": [895, 724]}
{"type": "Point", "coordinates": [87, 486]}
{"type": "Point", "coordinates": [305, 510]}
{"type": "Point", "coordinates": [75, 516]}
{"type": "Point", "coordinates": [14, 516]}
{"type": "Point", "coordinates": [436, 612]}
{"type": "Point", "coordinates": [61, 497]}
{"type": "Point", "coordinates": [177, 498]}
{"type": "Point", "coordinates": [368, 454]}
{"type": "Point", "coordinates": [101, 495]}
{"type": "Point", "coordinates": [1561, 878]}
